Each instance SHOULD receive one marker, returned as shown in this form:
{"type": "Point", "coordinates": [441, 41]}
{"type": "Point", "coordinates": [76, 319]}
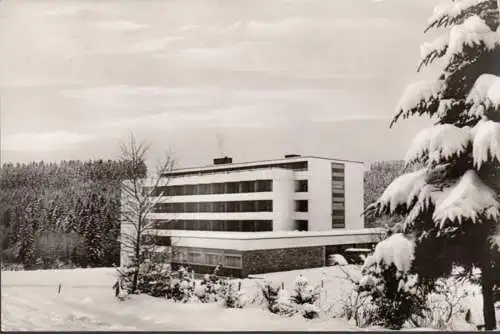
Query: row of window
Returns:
{"type": "Point", "coordinates": [338, 196]}
{"type": "Point", "coordinates": [296, 166]}
{"type": "Point", "coordinates": [214, 188]}
{"type": "Point", "coordinates": [215, 225]}
{"type": "Point", "coordinates": [207, 258]}
{"type": "Point", "coordinates": [231, 206]}
{"type": "Point", "coordinates": [222, 188]}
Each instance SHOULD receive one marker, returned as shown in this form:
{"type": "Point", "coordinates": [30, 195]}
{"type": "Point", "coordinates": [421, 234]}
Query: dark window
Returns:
{"type": "Point", "coordinates": [248, 186]}
{"type": "Point", "coordinates": [301, 186]}
{"type": "Point", "coordinates": [249, 206]}
{"type": "Point", "coordinates": [301, 225]}
{"type": "Point", "coordinates": [162, 240]}
{"type": "Point", "coordinates": [190, 207]}
{"type": "Point", "coordinates": [217, 225]}
{"type": "Point", "coordinates": [232, 187]}
{"type": "Point", "coordinates": [264, 185]}
{"type": "Point", "coordinates": [265, 206]}
{"type": "Point", "coordinates": [301, 206]}
{"type": "Point", "coordinates": [204, 189]}
{"type": "Point", "coordinates": [263, 225]}
{"type": "Point", "coordinates": [248, 225]}
{"type": "Point", "coordinates": [218, 188]}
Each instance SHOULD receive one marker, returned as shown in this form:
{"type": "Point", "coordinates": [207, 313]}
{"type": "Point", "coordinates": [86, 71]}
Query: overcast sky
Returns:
{"type": "Point", "coordinates": [252, 79]}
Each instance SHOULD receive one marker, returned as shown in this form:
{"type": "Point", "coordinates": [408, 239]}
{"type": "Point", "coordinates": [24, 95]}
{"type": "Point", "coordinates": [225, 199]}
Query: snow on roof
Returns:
{"type": "Point", "coordinates": [467, 199]}
{"type": "Point", "coordinates": [440, 141]}
{"type": "Point", "coordinates": [397, 250]}
{"type": "Point", "coordinates": [473, 31]}
{"type": "Point", "coordinates": [418, 92]}
{"type": "Point", "coordinates": [486, 142]}
{"type": "Point", "coordinates": [403, 190]}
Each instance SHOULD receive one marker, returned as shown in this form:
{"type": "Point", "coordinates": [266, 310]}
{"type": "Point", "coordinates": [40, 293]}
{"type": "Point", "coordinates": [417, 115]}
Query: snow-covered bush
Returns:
{"type": "Point", "coordinates": [303, 292]}
{"type": "Point", "coordinates": [393, 291]}
{"type": "Point", "coordinates": [305, 296]}
{"type": "Point", "coordinates": [232, 295]}
{"type": "Point", "coordinates": [277, 299]}
{"type": "Point", "coordinates": [182, 286]}
{"type": "Point", "coordinates": [210, 288]}
{"type": "Point", "coordinates": [444, 305]}
{"type": "Point", "coordinates": [152, 279]}
{"type": "Point", "coordinates": [303, 299]}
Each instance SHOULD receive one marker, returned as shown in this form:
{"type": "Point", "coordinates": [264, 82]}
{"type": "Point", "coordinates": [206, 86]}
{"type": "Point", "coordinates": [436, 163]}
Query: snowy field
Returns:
{"type": "Point", "coordinates": [30, 301]}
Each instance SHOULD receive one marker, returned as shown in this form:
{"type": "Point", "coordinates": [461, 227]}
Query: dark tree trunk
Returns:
{"type": "Point", "coordinates": [490, 321]}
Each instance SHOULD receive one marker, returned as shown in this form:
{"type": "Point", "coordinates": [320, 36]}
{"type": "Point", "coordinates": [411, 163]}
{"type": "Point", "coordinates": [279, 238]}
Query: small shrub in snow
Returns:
{"type": "Point", "coordinates": [210, 287]}
{"type": "Point", "coordinates": [181, 287]}
{"type": "Point", "coordinates": [232, 295]}
{"type": "Point", "coordinates": [303, 292]}
{"type": "Point", "coordinates": [277, 299]}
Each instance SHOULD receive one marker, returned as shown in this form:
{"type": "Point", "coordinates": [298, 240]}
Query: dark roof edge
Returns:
{"type": "Point", "coordinates": [295, 159]}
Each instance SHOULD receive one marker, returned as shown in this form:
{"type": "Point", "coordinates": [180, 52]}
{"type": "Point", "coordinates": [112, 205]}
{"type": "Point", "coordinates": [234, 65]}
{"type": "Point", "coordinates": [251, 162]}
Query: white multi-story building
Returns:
{"type": "Point", "coordinates": [236, 204]}
{"type": "Point", "coordinates": [295, 193]}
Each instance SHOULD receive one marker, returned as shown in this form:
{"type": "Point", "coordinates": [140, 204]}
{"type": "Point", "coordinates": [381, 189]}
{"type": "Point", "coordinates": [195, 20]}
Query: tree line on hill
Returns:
{"type": "Point", "coordinates": [66, 213]}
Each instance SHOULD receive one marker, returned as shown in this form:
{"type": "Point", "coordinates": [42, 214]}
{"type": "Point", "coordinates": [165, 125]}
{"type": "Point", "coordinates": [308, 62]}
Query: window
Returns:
{"type": "Point", "coordinates": [337, 206]}
{"type": "Point", "coordinates": [232, 187]}
{"type": "Point", "coordinates": [301, 225]}
{"type": "Point", "coordinates": [264, 206]}
{"type": "Point", "coordinates": [179, 255]}
{"type": "Point", "coordinates": [190, 207]}
{"type": "Point", "coordinates": [263, 225]}
{"type": "Point", "coordinates": [301, 206]}
{"type": "Point", "coordinates": [248, 225]}
{"type": "Point", "coordinates": [338, 196]}
{"type": "Point", "coordinates": [248, 206]}
{"type": "Point", "coordinates": [232, 261]}
{"type": "Point", "coordinates": [264, 185]}
{"type": "Point", "coordinates": [248, 186]}
{"type": "Point", "coordinates": [301, 186]}
{"type": "Point", "coordinates": [162, 240]}
{"type": "Point", "coordinates": [217, 225]}
{"type": "Point", "coordinates": [213, 259]}
{"type": "Point", "coordinates": [195, 258]}
{"type": "Point", "coordinates": [218, 188]}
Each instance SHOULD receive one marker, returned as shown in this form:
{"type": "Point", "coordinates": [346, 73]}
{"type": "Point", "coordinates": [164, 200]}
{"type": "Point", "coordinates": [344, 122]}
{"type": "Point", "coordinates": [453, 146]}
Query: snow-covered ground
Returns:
{"type": "Point", "coordinates": [30, 301]}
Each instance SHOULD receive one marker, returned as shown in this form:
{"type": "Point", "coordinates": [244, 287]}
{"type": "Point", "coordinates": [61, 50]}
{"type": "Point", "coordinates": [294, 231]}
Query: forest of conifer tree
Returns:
{"type": "Point", "coordinates": [67, 213]}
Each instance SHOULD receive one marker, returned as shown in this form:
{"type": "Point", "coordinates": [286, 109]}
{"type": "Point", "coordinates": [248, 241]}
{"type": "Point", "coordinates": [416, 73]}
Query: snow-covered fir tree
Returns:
{"type": "Point", "coordinates": [451, 203]}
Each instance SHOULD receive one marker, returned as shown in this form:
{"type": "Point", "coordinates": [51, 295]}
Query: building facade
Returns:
{"type": "Point", "coordinates": [244, 201]}
{"type": "Point", "coordinates": [298, 193]}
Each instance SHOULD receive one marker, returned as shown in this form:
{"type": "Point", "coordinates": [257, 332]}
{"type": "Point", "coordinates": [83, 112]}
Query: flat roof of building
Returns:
{"type": "Point", "coordinates": [266, 235]}
{"type": "Point", "coordinates": [249, 164]}
{"type": "Point", "coordinates": [245, 241]}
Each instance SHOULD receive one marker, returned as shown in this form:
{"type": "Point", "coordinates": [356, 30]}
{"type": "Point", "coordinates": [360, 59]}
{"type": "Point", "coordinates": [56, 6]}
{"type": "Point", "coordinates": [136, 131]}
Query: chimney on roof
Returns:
{"type": "Point", "coordinates": [291, 156]}
{"type": "Point", "coordinates": [222, 161]}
